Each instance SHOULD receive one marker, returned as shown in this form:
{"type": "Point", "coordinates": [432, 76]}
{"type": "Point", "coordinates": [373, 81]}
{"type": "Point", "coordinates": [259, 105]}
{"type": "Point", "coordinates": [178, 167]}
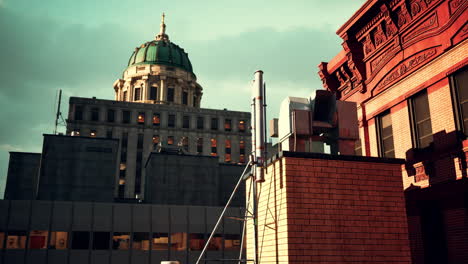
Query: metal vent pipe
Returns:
{"type": "Point", "coordinates": [258, 125]}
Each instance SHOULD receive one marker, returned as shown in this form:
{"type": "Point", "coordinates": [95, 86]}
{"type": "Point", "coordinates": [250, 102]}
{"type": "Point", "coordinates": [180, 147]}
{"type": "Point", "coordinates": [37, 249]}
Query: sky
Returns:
{"type": "Point", "coordinates": [83, 46]}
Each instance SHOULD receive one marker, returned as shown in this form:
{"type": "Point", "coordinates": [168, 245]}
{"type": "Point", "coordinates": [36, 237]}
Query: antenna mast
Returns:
{"type": "Point", "coordinates": [58, 114]}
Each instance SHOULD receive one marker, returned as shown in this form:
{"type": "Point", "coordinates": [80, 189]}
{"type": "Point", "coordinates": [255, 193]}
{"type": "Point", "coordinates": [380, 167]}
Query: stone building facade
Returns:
{"type": "Point", "coordinates": [157, 100]}
{"type": "Point", "coordinates": [405, 62]}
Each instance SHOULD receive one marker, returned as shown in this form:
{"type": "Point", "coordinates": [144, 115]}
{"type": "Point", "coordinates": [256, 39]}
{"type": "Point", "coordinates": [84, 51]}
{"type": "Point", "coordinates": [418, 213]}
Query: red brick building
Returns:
{"type": "Point", "coordinates": [405, 62]}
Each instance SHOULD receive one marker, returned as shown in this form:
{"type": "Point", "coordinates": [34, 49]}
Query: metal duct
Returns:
{"type": "Point", "coordinates": [258, 125]}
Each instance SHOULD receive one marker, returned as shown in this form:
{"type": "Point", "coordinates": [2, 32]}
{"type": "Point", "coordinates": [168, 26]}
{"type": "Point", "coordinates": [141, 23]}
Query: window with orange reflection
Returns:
{"type": "Point", "coordinates": [170, 140]}
{"type": "Point", "coordinates": [214, 148]}
{"type": "Point", "coordinates": [141, 118]}
{"type": "Point", "coordinates": [155, 139]}
{"type": "Point", "coordinates": [156, 120]}
{"type": "Point", "coordinates": [227, 125]}
{"type": "Point", "coordinates": [242, 125]}
{"type": "Point", "coordinates": [242, 147]}
{"type": "Point", "coordinates": [227, 156]}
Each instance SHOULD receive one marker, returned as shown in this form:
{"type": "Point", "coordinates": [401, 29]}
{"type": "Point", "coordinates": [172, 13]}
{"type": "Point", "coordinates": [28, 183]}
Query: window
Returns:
{"type": "Point", "coordinates": [141, 118]}
{"type": "Point", "coordinates": [186, 122]}
{"type": "Point", "coordinates": [101, 240]}
{"type": "Point", "coordinates": [153, 92]}
{"type": "Point", "coordinates": [170, 140]}
{"type": "Point", "coordinates": [137, 95]}
{"type": "Point", "coordinates": [110, 115]}
{"type": "Point", "coordinates": [214, 123]}
{"type": "Point", "coordinates": [385, 135]}
{"type": "Point", "coordinates": [199, 145]}
{"type": "Point", "coordinates": [95, 114]}
{"type": "Point", "coordinates": [78, 112]}
{"type": "Point", "coordinates": [16, 240]}
{"type": "Point", "coordinates": [178, 241]}
{"type": "Point", "coordinates": [214, 149]}
{"type": "Point", "coordinates": [125, 96]}
{"type": "Point", "coordinates": [126, 117]}
{"type": "Point", "coordinates": [171, 120]}
{"type": "Point", "coordinates": [58, 240]}
{"type": "Point", "coordinates": [140, 241]}
{"type": "Point", "coordinates": [160, 241]}
{"type": "Point", "coordinates": [242, 126]}
{"type": "Point", "coordinates": [232, 242]}
{"type": "Point", "coordinates": [38, 239]}
{"type": "Point", "coordinates": [156, 120]}
{"type": "Point", "coordinates": [155, 139]}
{"type": "Point", "coordinates": [121, 191]}
{"type": "Point", "coordinates": [121, 241]}
{"type": "Point", "coordinates": [170, 94]}
{"type": "Point", "coordinates": [227, 155]}
{"type": "Point", "coordinates": [140, 141]}
{"type": "Point", "coordinates": [200, 122]}
{"type": "Point", "coordinates": [420, 120]}
{"type": "Point", "coordinates": [2, 239]}
{"type": "Point", "coordinates": [216, 243]}
{"type": "Point", "coordinates": [227, 125]}
{"type": "Point", "coordinates": [184, 98]}
{"type": "Point", "coordinates": [93, 133]}
{"type": "Point", "coordinates": [242, 151]}
{"type": "Point", "coordinates": [196, 242]}
{"type": "Point", "coordinates": [459, 84]}
{"type": "Point", "coordinates": [185, 143]}
{"type": "Point", "coordinates": [80, 240]}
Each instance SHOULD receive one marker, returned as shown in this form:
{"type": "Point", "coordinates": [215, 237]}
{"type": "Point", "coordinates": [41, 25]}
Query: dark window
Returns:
{"type": "Point", "coordinates": [196, 241]}
{"type": "Point", "coordinates": [199, 145]}
{"type": "Point", "coordinates": [421, 120]}
{"type": "Point", "coordinates": [78, 112]}
{"type": "Point", "coordinates": [140, 141]}
{"type": "Point", "coordinates": [156, 119]}
{"type": "Point", "coordinates": [171, 121]}
{"type": "Point", "coordinates": [80, 240]}
{"type": "Point", "coordinates": [123, 151]}
{"type": "Point", "coordinates": [141, 118]}
{"type": "Point", "coordinates": [122, 191]}
{"type": "Point", "coordinates": [109, 134]}
{"type": "Point", "coordinates": [200, 122]}
{"type": "Point", "coordinates": [126, 117]}
{"type": "Point", "coordinates": [170, 94]}
{"type": "Point", "coordinates": [242, 147]}
{"type": "Point", "coordinates": [110, 115]}
{"type": "Point", "coordinates": [101, 240]}
{"type": "Point", "coordinates": [385, 135]}
{"type": "Point", "coordinates": [137, 96]}
{"type": "Point", "coordinates": [153, 93]}
{"type": "Point", "coordinates": [125, 96]}
{"type": "Point", "coordinates": [95, 114]}
{"type": "Point", "coordinates": [460, 92]}
{"type": "Point", "coordinates": [186, 122]}
{"type": "Point", "coordinates": [227, 125]}
{"type": "Point", "coordinates": [185, 143]}
{"type": "Point", "coordinates": [214, 123]}
{"type": "Point", "coordinates": [184, 98]}
{"type": "Point", "coordinates": [242, 126]}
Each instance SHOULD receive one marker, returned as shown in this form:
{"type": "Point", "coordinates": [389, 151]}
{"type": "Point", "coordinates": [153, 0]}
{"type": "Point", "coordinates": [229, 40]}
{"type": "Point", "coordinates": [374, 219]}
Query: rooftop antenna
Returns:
{"type": "Point", "coordinates": [254, 171]}
{"type": "Point", "coordinates": [58, 116]}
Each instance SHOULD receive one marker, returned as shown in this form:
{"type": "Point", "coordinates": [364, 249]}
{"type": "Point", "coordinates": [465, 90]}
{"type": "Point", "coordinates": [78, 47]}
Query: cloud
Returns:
{"type": "Point", "coordinates": [8, 147]}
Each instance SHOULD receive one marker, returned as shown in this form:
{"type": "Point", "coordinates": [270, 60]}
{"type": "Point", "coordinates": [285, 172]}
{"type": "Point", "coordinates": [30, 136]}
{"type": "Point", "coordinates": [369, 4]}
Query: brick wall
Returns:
{"type": "Point", "coordinates": [322, 209]}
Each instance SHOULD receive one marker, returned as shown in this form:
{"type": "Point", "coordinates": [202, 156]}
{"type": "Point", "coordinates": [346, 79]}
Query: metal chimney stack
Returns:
{"type": "Point", "coordinates": [258, 125]}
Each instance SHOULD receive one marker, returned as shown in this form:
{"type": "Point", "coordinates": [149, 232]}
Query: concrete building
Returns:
{"type": "Point", "coordinates": [23, 169]}
{"type": "Point", "coordinates": [58, 232]}
{"type": "Point", "coordinates": [405, 64]}
{"type": "Point", "coordinates": [158, 100]}
{"type": "Point", "coordinates": [191, 180]}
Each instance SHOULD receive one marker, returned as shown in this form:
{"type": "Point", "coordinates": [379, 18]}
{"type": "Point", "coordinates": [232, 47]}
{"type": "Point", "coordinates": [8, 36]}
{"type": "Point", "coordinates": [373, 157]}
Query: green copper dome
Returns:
{"type": "Point", "coordinates": [161, 52]}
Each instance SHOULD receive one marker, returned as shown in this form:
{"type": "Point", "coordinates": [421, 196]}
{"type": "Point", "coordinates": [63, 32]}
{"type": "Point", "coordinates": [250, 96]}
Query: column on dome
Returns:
{"type": "Point", "coordinates": [163, 89]}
